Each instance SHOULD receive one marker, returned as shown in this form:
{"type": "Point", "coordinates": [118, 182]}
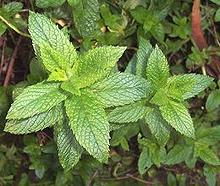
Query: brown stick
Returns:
{"type": "Point", "coordinates": [3, 55]}
{"type": "Point", "coordinates": [11, 64]}
{"type": "Point", "coordinates": [197, 32]}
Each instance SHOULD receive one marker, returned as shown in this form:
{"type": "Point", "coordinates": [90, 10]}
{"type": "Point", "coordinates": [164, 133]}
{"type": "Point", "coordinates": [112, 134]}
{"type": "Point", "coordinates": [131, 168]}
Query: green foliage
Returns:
{"type": "Point", "coordinates": [152, 125]}
{"type": "Point", "coordinates": [76, 84]}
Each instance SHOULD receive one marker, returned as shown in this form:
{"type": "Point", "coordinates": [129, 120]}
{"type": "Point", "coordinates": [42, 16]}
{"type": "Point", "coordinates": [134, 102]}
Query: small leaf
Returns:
{"type": "Point", "coordinates": [69, 150]}
{"type": "Point", "coordinates": [209, 136]}
{"type": "Point", "coordinates": [157, 69]}
{"type": "Point", "coordinates": [137, 65]}
{"type": "Point", "coordinates": [89, 124]}
{"type": "Point", "coordinates": [144, 161]}
{"type": "Point", "coordinates": [143, 53]}
{"type": "Point", "coordinates": [49, 3]}
{"type": "Point", "coordinates": [210, 174]}
{"type": "Point", "coordinates": [86, 15]}
{"type": "Point", "coordinates": [178, 117]}
{"type": "Point", "coordinates": [171, 180]}
{"type": "Point", "coordinates": [97, 63]}
{"type": "Point", "coordinates": [121, 89]}
{"type": "Point", "coordinates": [128, 113]}
{"type": "Point", "coordinates": [158, 126]}
{"type": "Point", "coordinates": [177, 154]}
{"type": "Point", "coordinates": [213, 101]}
{"type": "Point", "coordinates": [206, 154]}
{"type": "Point", "coordinates": [179, 86]}
{"type": "Point", "coordinates": [201, 83]}
{"type": "Point", "coordinates": [36, 123]}
{"type": "Point", "coordinates": [35, 99]}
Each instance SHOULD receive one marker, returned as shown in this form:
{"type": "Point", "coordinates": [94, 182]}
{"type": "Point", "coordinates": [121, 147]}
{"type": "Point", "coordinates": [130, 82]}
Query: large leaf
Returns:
{"type": "Point", "coordinates": [69, 150]}
{"type": "Point", "coordinates": [86, 15]}
{"type": "Point", "coordinates": [157, 69]}
{"type": "Point", "coordinates": [178, 117]}
{"type": "Point", "coordinates": [35, 99]}
{"type": "Point", "coordinates": [120, 89]}
{"type": "Point", "coordinates": [158, 126]}
{"type": "Point", "coordinates": [43, 30]}
{"type": "Point", "coordinates": [128, 113]}
{"type": "Point", "coordinates": [97, 63]}
{"type": "Point", "coordinates": [35, 123]}
{"type": "Point", "coordinates": [89, 124]}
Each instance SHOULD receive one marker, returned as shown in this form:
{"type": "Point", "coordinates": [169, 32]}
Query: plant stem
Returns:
{"type": "Point", "coordinates": [11, 64]}
{"type": "Point", "coordinates": [13, 27]}
{"type": "Point", "coordinates": [204, 70]}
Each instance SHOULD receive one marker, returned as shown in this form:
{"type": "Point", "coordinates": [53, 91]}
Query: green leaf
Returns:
{"type": "Point", "coordinates": [209, 136]}
{"type": "Point", "coordinates": [97, 63]}
{"type": "Point", "coordinates": [160, 98]}
{"type": "Point", "coordinates": [37, 72]}
{"type": "Point", "coordinates": [177, 154]}
{"type": "Point", "coordinates": [139, 14]}
{"type": "Point", "coordinates": [217, 15]}
{"type": "Point", "coordinates": [158, 126]}
{"type": "Point", "coordinates": [206, 154]}
{"type": "Point", "coordinates": [121, 89]}
{"type": "Point", "coordinates": [144, 161]}
{"type": "Point", "coordinates": [3, 28]}
{"type": "Point", "coordinates": [86, 15]}
{"type": "Point", "coordinates": [69, 150]}
{"type": "Point", "coordinates": [4, 102]}
{"type": "Point", "coordinates": [137, 65]}
{"type": "Point", "coordinates": [178, 117]}
{"type": "Point", "coordinates": [35, 99]}
{"type": "Point", "coordinates": [157, 69]}
{"type": "Point", "coordinates": [89, 124]}
{"type": "Point", "coordinates": [36, 123]}
{"type": "Point", "coordinates": [158, 32]}
{"type": "Point", "coordinates": [188, 85]}
{"type": "Point", "coordinates": [210, 174]}
{"type": "Point", "coordinates": [13, 8]}
{"type": "Point", "coordinates": [49, 3]}
{"type": "Point", "coordinates": [171, 180]}
{"type": "Point", "coordinates": [143, 53]}
{"type": "Point", "coordinates": [216, 2]}
{"type": "Point", "coordinates": [179, 86]}
{"type": "Point", "coordinates": [114, 22]}
{"type": "Point", "coordinates": [156, 153]}
{"type": "Point", "coordinates": [43, 31]}
{"type": "Point", "coordinates": [128, 113]}
{"type": "Point", "coordinates": [213, 101]}
{"type": "Point", "coordinates": [54, 60]}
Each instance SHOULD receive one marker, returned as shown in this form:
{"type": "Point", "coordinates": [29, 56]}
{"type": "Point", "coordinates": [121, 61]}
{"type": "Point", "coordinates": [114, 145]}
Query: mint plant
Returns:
{"type": "Point", "coordinates": [166, 105]}
{"type": "Point", "coordinates": [74, 97]}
